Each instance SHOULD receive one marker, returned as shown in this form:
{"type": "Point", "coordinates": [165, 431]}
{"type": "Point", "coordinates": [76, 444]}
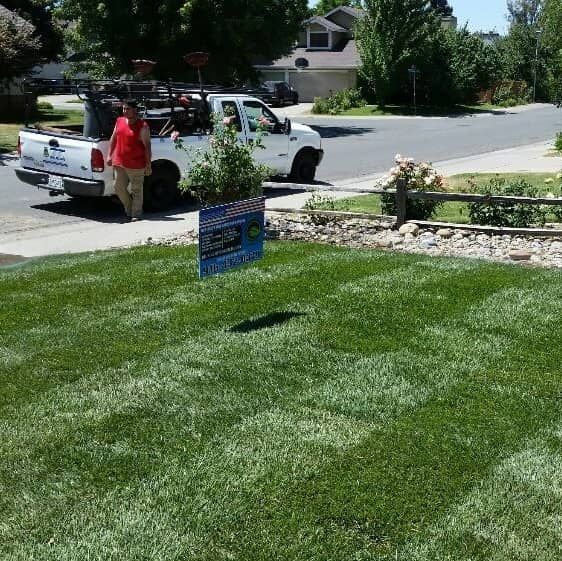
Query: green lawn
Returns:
{"type": "Point", "coordinates": [325, 404]}
{"type": "Point", "coordinates": [9, 130]}
{"type": "Point", "coordinates": [454, 212]}
{"type": "Point", "coordinates": [420, 110]}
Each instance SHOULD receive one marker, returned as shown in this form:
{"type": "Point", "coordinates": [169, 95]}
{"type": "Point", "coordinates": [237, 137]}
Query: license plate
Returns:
{"type": "Point", "coordinates": [55, 182]}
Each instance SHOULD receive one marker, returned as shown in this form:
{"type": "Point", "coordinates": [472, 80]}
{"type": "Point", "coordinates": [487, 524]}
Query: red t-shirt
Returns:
{"type": "Point", "coordinates": [129, 149]}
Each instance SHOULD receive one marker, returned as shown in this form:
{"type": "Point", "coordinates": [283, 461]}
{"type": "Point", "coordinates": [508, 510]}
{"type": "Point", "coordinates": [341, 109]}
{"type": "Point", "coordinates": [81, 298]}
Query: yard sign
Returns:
{"type": "Point", "coordinates": [230, 235]}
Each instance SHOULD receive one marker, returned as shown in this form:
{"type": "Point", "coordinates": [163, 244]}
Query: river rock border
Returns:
{"type": "Point", "coordinates": [379, 233]}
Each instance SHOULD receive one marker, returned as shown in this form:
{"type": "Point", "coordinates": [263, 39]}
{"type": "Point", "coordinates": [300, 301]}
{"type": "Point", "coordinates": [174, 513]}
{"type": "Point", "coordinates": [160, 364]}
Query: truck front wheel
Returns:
{"type": "Point", "coordinates": [160, 189]}
{"type": "Point", "coordinates": [304, 168]}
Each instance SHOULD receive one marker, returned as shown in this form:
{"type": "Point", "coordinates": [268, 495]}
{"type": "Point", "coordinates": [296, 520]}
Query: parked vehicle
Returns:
{"type": "Point", "coordinates": [50, 86]}
{"type": "Point", "coordinates": [281, 93]}
{"type": "Point", "coordinates": [71, 160]}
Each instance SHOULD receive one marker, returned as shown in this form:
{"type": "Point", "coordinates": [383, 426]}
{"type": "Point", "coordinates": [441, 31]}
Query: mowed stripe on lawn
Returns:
{"type": "Point", "coordinates": [297, 437]}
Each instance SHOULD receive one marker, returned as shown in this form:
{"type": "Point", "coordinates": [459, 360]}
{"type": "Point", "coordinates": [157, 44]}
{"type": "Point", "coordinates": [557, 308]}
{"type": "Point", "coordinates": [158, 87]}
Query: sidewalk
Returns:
{"type": "Point", "coordinates": [533, 158]}
{"type": "Point", "coordinates": [91, 236]}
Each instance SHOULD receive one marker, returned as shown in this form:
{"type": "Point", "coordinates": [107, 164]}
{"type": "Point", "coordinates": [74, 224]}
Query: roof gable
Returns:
{"type": "Point", "coordinates": [329, 25]}
{"type": "Point", "coordinates": [353, 12]}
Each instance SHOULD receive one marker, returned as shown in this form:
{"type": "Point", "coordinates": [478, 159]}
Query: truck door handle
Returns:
{"type": "Point", "coordinates": [54, 142]}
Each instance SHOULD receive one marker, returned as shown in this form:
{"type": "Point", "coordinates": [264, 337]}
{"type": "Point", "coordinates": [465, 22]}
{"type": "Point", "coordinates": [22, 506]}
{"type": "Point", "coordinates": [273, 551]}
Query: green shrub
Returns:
{"type": "Point", "coordinates": [317, 201]}
{"type": "Point", "coordinates": [509, 94]}
{"type": "Point", "coordinates": [338, 102]}
{"type": "Point", "coordinates": [45, 105]}
{"type": "Point", "coordinates": [419, 176]}
{"type": "Point", "coordinates": [226, 171]}
{"type": "Point", "coordinates": [321, 105]}
{"type": "Point", "coordinates": [558, 142]}
{"type": "Point", "coordinates": [515, 215]}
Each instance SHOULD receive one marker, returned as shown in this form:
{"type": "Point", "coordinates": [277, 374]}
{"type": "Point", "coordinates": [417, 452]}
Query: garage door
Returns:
{"type": "Point", "coordinates": [312, 84]}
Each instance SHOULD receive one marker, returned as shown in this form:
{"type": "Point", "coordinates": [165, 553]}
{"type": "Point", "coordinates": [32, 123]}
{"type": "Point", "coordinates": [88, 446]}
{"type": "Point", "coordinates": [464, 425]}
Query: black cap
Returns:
{"type": "Point", "coordinates": [131, 103]}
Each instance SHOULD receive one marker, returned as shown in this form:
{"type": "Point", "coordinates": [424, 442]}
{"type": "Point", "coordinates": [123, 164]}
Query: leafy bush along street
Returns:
{"type": "Point", "coordinates": [327, 403]}
{"type": "Point", "coordinates": [226, 172]}
{"type": "Point", "coordinates": [422, 177]}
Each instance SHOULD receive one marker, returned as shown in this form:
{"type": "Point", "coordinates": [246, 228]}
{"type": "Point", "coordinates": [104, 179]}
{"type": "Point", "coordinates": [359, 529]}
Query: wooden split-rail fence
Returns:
{"type": "Point", "coordinates": [403, 194]}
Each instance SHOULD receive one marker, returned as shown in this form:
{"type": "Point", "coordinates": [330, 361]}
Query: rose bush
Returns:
{"type": "Point", "coordinates": [419, 176]}
{"type": "Point", "coordinates": [225, 171]}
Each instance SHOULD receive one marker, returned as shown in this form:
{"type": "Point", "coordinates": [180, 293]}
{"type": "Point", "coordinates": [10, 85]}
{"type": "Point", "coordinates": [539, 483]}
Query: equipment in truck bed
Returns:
{"type": "Point", "coordinates": [166, 106]}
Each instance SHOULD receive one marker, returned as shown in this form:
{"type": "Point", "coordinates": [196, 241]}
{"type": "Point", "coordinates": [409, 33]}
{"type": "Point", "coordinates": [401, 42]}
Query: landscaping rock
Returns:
{"type": "Point", "coordinates": [409, 229]}
{"type": "Point", "coordinates": [445, 233]}
{"type": "Point", "coordinates": [536, 251]}
{"type": "Point", "coordinates": [520, 254]}
{"type": "Point", "coordinates": [428, 242]}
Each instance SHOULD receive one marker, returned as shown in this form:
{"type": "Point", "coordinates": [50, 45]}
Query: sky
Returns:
{"type": "Point", "coordinates": [481, 15]}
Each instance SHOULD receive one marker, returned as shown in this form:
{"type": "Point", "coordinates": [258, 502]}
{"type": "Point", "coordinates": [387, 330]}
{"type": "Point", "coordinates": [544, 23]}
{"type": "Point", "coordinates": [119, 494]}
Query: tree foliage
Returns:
{"type": "Point", "coordinates": [523, 49]}
{"type": "Point", "coordinates": [109, 35]}
{"type": "Point", "coordinates": [474, 65]}
{"type": "Point", "coordinates": [324, 6]}
{"type": "Point", "coordinates": [442, 7]}
{"type": "Point", "coordinates": [20, 48]}
{"type": "Point", "coordinates": [550, 50]}
{"type": "Point", "coordinates": [388, 37]}
{"type": "Point", "coordinates": [40, 14]}
{"type": "Point", "coordinates": [524, 12]}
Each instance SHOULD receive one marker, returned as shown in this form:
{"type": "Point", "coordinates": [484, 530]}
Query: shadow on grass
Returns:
{"type": "Point", "coordinates": [269, 320]}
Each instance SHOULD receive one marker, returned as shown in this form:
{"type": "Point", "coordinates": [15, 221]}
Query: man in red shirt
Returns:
{"type": "Point", "coordinates": [130, 154]}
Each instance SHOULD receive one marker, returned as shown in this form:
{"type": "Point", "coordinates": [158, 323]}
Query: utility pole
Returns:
{"type": "Point", "coordinates": [538, 34]}
{"type": "Point", "coordinates": [413, 71]}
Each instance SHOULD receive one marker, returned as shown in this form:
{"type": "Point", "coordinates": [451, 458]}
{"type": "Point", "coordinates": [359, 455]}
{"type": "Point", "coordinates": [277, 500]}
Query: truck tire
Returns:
{"type": "Point", "coordinates": [161, 189]}
{"type": "Point", "coordinates": [304, 168]}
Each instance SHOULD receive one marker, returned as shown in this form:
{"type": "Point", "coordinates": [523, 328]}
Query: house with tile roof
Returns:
{"type": "Point", "coordinates": [327, 47]}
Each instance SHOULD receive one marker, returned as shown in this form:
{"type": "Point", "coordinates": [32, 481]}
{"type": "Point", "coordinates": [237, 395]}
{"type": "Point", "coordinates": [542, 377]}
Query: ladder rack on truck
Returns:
{"type": "Point", "coordinates": [165, 105]}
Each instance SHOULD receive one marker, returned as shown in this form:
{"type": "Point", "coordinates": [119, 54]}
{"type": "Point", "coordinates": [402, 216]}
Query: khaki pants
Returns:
{"type": "Point", "coordinates": [133, 201]}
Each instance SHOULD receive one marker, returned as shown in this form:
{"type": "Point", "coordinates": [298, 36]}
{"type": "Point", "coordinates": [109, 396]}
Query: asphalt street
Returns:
{"type": "Point", "coordinates": [364, 146]}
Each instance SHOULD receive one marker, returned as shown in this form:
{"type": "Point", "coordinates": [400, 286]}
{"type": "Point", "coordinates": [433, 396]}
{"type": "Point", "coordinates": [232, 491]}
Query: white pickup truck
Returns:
{"type": "Point", "coordinates": [71, 160]}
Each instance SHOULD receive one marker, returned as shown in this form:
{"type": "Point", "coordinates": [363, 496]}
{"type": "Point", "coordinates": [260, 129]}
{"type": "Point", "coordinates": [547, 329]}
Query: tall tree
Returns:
{"type": "Point", "coordinates": [233, 32]}
{"type": "Point", "coordinates": [20, 48]}
{"type": "Point", "coordinates": [550, 53]}
{"type": "Point", "coordinates": [40, 14]}
{"type": "Point", "coordinates": [524, 12]}
{"type": "Point", "coordinates": [522, 49]}
{"type": "Point", "coordinates": [442, 7]}
{"type": "Point", "coordinates": [324, 6]}
{"type": "Point", "coordinates": [389, 36]}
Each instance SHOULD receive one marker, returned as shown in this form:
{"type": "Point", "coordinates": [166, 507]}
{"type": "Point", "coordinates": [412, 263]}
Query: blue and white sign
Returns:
{"type": "Point", "coordinates": [230, 235]}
